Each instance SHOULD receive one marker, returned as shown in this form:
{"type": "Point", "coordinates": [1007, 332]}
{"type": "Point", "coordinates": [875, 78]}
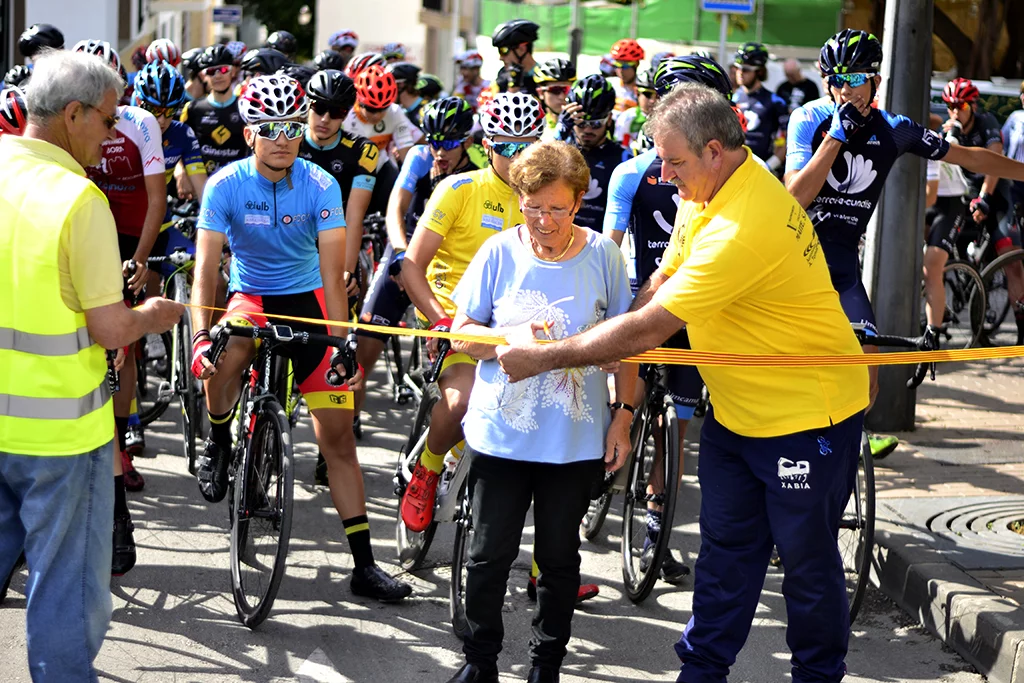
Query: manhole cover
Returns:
{"type": "Point", "coordinates": [983, 525]}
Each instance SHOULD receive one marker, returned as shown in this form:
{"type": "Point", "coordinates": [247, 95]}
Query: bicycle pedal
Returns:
{"type": "Point", "coordinates": [164, 393]}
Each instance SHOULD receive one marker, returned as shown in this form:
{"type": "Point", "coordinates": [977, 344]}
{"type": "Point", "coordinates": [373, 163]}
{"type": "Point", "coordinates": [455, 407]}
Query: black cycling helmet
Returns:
{"type": "Point", "coordinates": [190, 62]}
{"type": "Point", "coordinates": [299, 72]}
{"type": "Point", "coordinates": [850, 51]}
{"type": "Point", "coordinates": [554, 70]}
{"type": "Point", "coordinates": [283, 41]}
{"type": "Point", "coordinates": [38, 37]}
{"type": "Point", "coordinates": [450, 118]}
{"type": "Point", "coordinates": [17, 75]}
{"type": "Point", "coordinates": [595, 95]}
{"type": "Point", "coordinates": [429, 86]}
{"type": "Point", "coordinates": [404, 72]}
{"type": "Point", "coordinates": [691, 69]}
{"type": "Point", "coordinates": [329, 59]}
{"type": "Point", "coordinates": [263, 60]}
{"type": "Point", "coordinates": [216, 55]}
{"type": "Point", "coordinates": [645, 79]}
{"type": "Point", "coordinates": [751, 54]}
{"type": "Point", "coordinates": [332, 87]}
{"type": "Point", "coordinates": [512, 33]}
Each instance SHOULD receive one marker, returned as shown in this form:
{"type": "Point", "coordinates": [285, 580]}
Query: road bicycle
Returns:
{"type": "Point", "coordinates": [261, 470]}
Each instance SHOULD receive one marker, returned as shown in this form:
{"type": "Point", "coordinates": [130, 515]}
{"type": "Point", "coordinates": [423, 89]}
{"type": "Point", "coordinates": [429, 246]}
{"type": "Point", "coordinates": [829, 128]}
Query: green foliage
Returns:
{"type": "Point", "coordinates": [283, 15]}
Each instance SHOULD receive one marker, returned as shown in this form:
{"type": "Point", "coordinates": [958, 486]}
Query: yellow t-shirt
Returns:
{"type": "Point", "coordinates": [89, 259]}
{"type": "Point", "coordinates": [465, 209]}
{"type": "Point", "coordinates": [747, 275]}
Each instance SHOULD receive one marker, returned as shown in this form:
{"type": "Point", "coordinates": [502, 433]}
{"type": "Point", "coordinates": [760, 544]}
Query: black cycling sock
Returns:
{"type": "Point", "coordinates": [120, 502]}
{"type": "Point", "coordinates": [121, 427]}
{"type": "Point", "coordinates": [357, 530]}
{"type": "Point", "coordinates": [220, 429]}
{"type": "Point", "coordinates": [653, 524]}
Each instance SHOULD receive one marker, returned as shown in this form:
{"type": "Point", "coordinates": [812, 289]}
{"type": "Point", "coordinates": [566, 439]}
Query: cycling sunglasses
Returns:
{"type": "Point", "coordinates": [446, 145]}
{"type": "Point", "coordinates": [957, 105]}
{"type": "Point", "coordinates": [322, 108]}
{"type": "Point", "coordinates": [504, 51]}
{"type": "Point", "coordinates": [509, 149]}
{"type": "Point", "coordinates": [647, 92]}
{"type": "Point", "coordinates": [592, 125]}
{"type": "Point", "coordinates": [214, 70]}
{"type": "Point", "coordinates": [271, 130]}
{"type": "Point", "coordinates": [625, 65]}
{"type": "Point", "coordinates": [557, 90]}
{"type": "Point", "coordinates": [160, 112]}
{"type": "Point", "coordinates": [852, 80]}
{"type": "Point", "coordinates": [373, 110]}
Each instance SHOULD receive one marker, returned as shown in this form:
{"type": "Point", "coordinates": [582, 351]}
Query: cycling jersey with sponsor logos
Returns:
{"type": "Point", "coordinates": [181, 144]}
{"type": "Point", "coordinates": [628, 125]}
{"type": "Point", "coordinates": [352, 161]}
{"type": "Point", "coordinates": [602, 161]}
{"type": "Point", "coordinates": [415, 178]}
{"type": "Point", "coordinates": [625, 95]}
{"type": "Point", "coordinates": [272, 227]}
{"type": "Point", "coordinates": [395, 128]}
{"type": "Point", "coordinates": [1013, 147]}
{"type": "Point", "coordinates": [847, 199]}
{"type": "Point", "coordinates": [470, 93]}
{"type": "Point", "coordinates": [465, 210]}
{"type": "Point", "coordinates": [984, 132]}
{"type": "Point", "coordinates": [135, 153]}
{"type": "Point", "coordinates": [765, 113]}
{"type": "Point", "coordinates": [219, 130]}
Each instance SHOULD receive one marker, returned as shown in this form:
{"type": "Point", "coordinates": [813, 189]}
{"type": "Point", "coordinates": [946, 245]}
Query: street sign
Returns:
{"type": "Point", "coordinates": [227, 14]}
{"type": "Point", "coordinates": [728, 6]}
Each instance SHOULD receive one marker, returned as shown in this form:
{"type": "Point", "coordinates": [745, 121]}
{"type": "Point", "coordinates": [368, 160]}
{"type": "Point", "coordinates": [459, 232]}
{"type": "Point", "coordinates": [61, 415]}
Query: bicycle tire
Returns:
{"type": "Point", "coordinates": [964, 316]}
{"type": "Point", "coordinates": [460, 555]}
{"type": "Point", "coordinates": [857, 531]}
{"type": "Point", "coordinates": [412, 547]}
{"type": "Point", "coordinates": [637, 582]}
{"type": "Point", "coordinates": [270, 423]}
{"type": "Point", "coordinates": [184, 380]}
{"type": "Point", "coordinates": [150, 406]}
{"type": "Point", "coordinates": [997, 308]}
{"type": "Point", "coordinates": [593, 520]}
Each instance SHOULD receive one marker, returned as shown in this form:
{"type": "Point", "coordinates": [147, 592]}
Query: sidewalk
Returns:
{"type": "Point", "coordinates": [946, 500]}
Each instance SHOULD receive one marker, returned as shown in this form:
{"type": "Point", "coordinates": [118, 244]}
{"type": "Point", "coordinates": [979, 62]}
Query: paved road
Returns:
{"type": "Point", "coordinates": [174, 619]}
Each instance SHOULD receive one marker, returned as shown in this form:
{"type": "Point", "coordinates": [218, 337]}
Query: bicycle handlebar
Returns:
{"type": "Point", "coordinates": [443, 347]}
{"type": "Point", "coordinates": [916, 343]}
{"type": "Point", "coordinates": [179, 257]}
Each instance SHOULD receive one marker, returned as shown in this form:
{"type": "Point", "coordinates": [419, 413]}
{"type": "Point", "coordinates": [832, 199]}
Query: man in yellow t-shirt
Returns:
{"type": "Point", "coordinates": [745, 273]}
{"type": "Point", "coordinates": [463, 211]}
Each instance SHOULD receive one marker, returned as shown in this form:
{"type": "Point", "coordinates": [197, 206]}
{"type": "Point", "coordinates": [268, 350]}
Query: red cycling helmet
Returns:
{"type": "Point", "coordinates": [960, 91]}
{"type": "Point", "coordinates": [627, 50]}
{"type": "Point", "coordinates": [376, 88]}
{"type": "Point", "coordinates": [364, 60]}
{"type": "Point", "coordinates": [13, 113]}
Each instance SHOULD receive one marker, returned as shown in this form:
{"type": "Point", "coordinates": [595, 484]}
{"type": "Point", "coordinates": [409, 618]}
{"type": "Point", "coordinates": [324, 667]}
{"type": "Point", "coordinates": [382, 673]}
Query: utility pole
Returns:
{"type": "Point", "coordinates": [893, 256]}
{"type": "Point", "coordinates": [575, 31]}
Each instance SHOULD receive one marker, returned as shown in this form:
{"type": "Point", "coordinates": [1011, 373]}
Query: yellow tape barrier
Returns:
{"type": "Point", "coordinates": [689, 357]}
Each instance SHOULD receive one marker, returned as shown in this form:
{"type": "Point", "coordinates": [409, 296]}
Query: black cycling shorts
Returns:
{"type": "Point", "coordinates": [385, 302]}
{"type": "Point", "coordinates": [945, 221]}
{"type": "Point", "coordinates": [684, 381]}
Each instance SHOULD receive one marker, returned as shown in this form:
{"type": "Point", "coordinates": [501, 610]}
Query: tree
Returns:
{"type": "Point", "coordinates": [283, 15]}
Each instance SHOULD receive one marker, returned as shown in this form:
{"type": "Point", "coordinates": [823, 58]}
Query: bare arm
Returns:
{"type": "Point", "coordinates": [477, 350]}
{"type": "Point", "coordinates": [988, 186]}
{"type": "Point", "coordinates": [209, 247]}
{"type": "Point", "coordinates": [115, 325]}
{"type": "Point", "coordinates": [156, 192]}
{"type": "Point", "coordinates": [355, 212]}
{"type": "Point", "coordinates": [422, 249]}
{"type": "Point", "coordinates": [981, 160]}
{"type": "Point", "coordinates": [198, 182]}
{"type": "Point", "coordinates": [398, 204]}
{"type": "Point", "coordinates": [647, 290]}
{"type": "Point", "coordinates": [931, 192]}
{"type": "Point", "coordinates": [805, 184]}
{"type": "Point", "coordinates": [332, 271]}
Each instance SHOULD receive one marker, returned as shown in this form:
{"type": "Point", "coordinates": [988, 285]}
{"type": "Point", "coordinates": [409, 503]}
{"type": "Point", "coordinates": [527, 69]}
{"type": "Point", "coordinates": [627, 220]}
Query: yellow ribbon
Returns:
{"type": "Point", "coordinates": [690, 357]}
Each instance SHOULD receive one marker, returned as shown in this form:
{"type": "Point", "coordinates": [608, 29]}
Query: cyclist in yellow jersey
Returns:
{"type": "Point", "coordinates": [462, 213]}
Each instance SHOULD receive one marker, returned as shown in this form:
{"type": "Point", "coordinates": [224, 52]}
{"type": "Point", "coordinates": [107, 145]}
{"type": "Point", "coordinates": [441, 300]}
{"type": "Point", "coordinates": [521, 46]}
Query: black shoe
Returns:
{"type": "Point", "coordinates": [672, 570]}
{"type": "Point", "coordinates": [471, 673]}
{"type": "Point", "coordinates": [135, 440]}
{"type": "Point", "coordinates": [14, 570]}
{"type": "Point", "coordinates": [374, 582]}
{"type": "Point", "coordinates": [124, 546]}
{"type": "Point", "coordinates": [541, 674]}
{"type": "Point", "coordinates": [212, 473]}
{"type": "Point", "coordinates": [357, 427]}
{"type": "Point", "coordinates": [320, 473]}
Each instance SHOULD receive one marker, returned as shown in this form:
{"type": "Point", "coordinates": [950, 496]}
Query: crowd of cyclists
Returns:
{"type": "Point", "coordinates": [286, 162]}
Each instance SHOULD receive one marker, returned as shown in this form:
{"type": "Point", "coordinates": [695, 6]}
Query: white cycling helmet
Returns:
{"type": "Point", "coordinates": [274, 97]}
{"type": "Point", "coordinates": [516, 115]}
{"type": "Point", "coordinates": [470, 59]}
{"type": "Point", "coordinates": [163, 50]}
{"type": "Point", "coordinates": [101, 49]}
{"type": "Point", "coordinates": [344, 38]}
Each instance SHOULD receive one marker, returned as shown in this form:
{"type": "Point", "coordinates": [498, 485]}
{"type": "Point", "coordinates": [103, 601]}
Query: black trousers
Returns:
{"type": "Point", "coordinates": [502, 490]}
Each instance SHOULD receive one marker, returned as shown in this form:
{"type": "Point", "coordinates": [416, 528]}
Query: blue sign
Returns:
{"type": "Point", "coordinates": [728, 6]}
{"type": "Point", "coordinates": [227, 14]}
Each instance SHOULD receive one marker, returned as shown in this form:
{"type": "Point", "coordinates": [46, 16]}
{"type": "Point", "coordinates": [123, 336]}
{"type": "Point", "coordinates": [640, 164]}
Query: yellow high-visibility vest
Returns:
{"type": "Point", "coordinates": [54, 398]}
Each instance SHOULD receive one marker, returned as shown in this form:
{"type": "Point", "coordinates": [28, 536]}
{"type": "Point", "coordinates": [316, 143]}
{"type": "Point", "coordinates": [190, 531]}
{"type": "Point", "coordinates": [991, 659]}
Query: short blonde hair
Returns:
{"type": "Point", "coordinates": [544, 163]}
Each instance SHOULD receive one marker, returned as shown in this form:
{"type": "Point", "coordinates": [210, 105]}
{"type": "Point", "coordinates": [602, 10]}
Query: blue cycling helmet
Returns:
{"type": "Point", "coordinates": [159, 85]}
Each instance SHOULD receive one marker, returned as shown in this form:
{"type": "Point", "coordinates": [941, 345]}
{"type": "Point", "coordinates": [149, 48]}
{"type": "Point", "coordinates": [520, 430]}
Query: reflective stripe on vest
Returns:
{"type": "Point", "coordinates": [45, 344]}
{"type": "Point", "coordinates": [54, 408]}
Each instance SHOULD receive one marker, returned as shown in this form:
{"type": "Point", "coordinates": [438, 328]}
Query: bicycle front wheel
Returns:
{"type": "Point", "coordinates": [412, 546]}
{"type": "Point", "coordinates": [598, 510]}
{"type": "Point", "coordinates": [642, 557]}
{"type": "Point", "coordinates": [460, 556]}
{"type": "Point", "coordinates": [857, 530]}
{"type": "Point", "coordinates": [997, 277]}
{"type": "Point", "coordinates": [262, 519]}
{"type": "Point", "coordinates": [153, 365]}
{"type": "Point", "coordinates": [187, 387]}
{"type": "Point", "coordinates": [964, 316]}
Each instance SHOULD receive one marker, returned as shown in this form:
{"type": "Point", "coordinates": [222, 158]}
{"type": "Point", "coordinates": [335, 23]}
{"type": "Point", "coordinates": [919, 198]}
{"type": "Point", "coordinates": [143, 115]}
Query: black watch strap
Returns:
{"type": "Point", "coordinates": [625, 406]}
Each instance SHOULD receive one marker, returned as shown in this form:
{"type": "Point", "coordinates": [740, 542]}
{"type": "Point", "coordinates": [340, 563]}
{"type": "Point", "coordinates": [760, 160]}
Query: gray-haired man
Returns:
{"type": "Point", "coordinates": [60, 306]}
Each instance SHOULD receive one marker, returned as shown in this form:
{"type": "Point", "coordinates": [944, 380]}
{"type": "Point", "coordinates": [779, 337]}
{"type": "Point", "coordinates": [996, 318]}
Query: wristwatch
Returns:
{"type": "Point", "coordinates": [625, 406]}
